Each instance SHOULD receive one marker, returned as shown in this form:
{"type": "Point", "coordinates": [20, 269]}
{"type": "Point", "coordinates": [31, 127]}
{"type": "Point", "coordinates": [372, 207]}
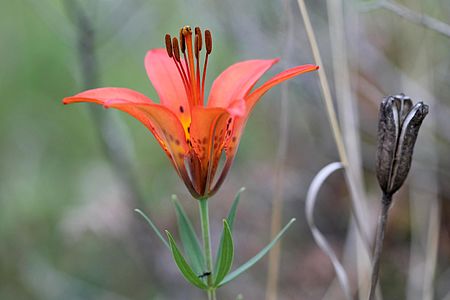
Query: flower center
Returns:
{"type": "Point", "coordinates": [189, 67]}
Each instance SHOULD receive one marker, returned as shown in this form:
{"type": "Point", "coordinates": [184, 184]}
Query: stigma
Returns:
{"type": "Point", "coordinates": [186, 53]}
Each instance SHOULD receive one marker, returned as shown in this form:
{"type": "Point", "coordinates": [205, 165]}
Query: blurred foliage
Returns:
{"type": "Point", "coordinates": [67, 227]}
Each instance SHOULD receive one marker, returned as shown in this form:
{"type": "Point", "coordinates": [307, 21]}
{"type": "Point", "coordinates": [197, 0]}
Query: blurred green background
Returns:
{"type": "Point", "coordinates": [71, 176]}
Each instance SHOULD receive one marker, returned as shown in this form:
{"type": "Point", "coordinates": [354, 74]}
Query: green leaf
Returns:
{"type": "Point", "coordinates": [155, 229]}
{"type": "Point", "coordinates": [189, 238]}
{"type": "Point", "coordinates": [230, 220]}
{"type": "Point", "coordinates": [255, 258]}
{"type": "Point", "coordinates": [226, 258]}
{"type": "Point", "coordinates": [183, 265]}
{"type": "Point", "coordinates": [232, 213]}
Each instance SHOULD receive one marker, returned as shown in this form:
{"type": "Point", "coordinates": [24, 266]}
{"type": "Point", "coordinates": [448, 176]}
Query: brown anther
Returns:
{"type": "Point", "coordinates": [169, 45]}
{"type": "Point", "coordinates": [176, 49]}
{"type": "Point", "coordinates": [208, 41]}
{"type": "Point", "coordinates": [196, 47]}
{"type": "Point", "coordinates": [182, 41]}
{"type": "Point", "coordinates": [198, 32]}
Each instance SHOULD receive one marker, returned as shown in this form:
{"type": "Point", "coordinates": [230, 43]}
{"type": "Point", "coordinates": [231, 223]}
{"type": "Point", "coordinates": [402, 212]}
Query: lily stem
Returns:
{"type": "Point", "coordinates": [386, 204]}
{"type": "Point", "coordinates": [204, 219]}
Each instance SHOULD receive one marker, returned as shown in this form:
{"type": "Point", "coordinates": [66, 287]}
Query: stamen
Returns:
{"type": "Point", "coordinates": [189, 67]}
{"type": "Point", "coordinates": [208, 41]}
{"type": "Point", "coordinates": [187, 33]}
{"type": "Point", "coordinates": [176, 49]}
{"type": "Point", "coordinates": [183, 50]}
{"type": "Point", "coordinates": [169, 45]}
{"type": "Point", "coordinates": [179, 64]}
{"type": "Point", "coordinates": [197, 60]}
{"type": "Point", "coordinates": [198, 32]}
{"type": "Point", "coordinates": [196, 47]}
{"type": "Point", "coordinates": [208, 46]}
{"type": "Point", "coordinates": [182, 42]}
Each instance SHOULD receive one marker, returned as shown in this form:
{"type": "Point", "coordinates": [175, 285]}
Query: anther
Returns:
{"type": "Point", "coordinates": [169, 45]}
{"type": "Point", "coordinates": [196, 46]}
{"type": "Point", "coordinates": [176, 49]}
{"type": "Point", "coordinates": [182, 41]}
{"type": "Point", "coordinates": [198, 32]}
{"type": "Point", "coordinates": [208, 41]}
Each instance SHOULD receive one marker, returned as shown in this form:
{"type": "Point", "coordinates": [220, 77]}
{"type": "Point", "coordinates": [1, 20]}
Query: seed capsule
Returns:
{"type": "Point", "coordinates": [398, 127]}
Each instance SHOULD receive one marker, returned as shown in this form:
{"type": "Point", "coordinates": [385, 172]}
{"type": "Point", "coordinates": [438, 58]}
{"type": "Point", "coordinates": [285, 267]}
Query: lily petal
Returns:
{"type": "Point", "coordinates": [167, 129]}
{"type": "Point", "coordinates": [251, 99]}
{"type": "Point", "coordinates": [101, 95]}
{"type": "Point", "coordinates": [167, 82]}
{"type": "Point", "coordinates": [236, 81]}
{"type": "Point", "coordinates": [254, 96]}
{"type": "Point", "coordinates": [209, 132]}
{"type": "Point", "coordinates": [161, 121]}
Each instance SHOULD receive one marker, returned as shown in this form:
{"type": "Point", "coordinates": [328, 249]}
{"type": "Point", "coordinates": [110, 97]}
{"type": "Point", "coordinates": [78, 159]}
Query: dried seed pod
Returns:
{"type": "Point", "coordinates": [398, 127]}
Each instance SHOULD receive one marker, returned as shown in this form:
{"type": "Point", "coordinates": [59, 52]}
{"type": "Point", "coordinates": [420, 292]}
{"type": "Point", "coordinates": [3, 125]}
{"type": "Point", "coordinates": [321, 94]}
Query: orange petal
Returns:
{"type": "Point", "coordinates": [239, 122]}
{"type": "Point", "coordinates": [253, 97]}
{"type": "Point", "coordinates": [236, 81]}
{"type": "Point", "coordinates": [101, 95]}
{"type": "Point", "coordinates": [209, 132]}
{"type": "Point", "coordinates": [167, 82]}
{"type": "Point", "coordinates": [167, 129]}
{"type": "Point", "coordinates": [161, 121]}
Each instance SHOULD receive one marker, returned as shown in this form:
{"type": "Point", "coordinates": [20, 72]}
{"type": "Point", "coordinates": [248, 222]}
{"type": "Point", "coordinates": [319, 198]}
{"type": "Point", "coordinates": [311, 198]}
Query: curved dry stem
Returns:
{"type": "Point", "coordinates": [320, 239]}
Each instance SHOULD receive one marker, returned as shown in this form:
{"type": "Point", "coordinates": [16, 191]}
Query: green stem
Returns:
{"type": "Point", "coordinates": [204, 218]}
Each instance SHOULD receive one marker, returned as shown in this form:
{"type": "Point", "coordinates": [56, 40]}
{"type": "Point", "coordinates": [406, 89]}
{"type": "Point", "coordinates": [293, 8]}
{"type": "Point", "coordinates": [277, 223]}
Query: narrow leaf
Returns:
{"type": "Point", "coordinates": [226, 258]}
{"type": "Point", "coordinates": [230, 220]}
{"type": "Point", "coordinates": [189, 238]}
{"type": "Point", "coordinates": [155, 229]}
{"type": "Point", "coordinates": [257, 257]}
{"type": "Point", "coordinates": [183, 266]}
{"type": "Point", "coordinates": [232, 212]}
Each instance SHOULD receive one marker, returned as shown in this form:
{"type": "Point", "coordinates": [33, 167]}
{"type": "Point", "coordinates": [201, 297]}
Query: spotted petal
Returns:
{"type": "Point", "coordinates": [209, 132]}
{"type": "Point", "coordinates": [161, 121]}
{"type": "Point", "coordinates": [253, 97]}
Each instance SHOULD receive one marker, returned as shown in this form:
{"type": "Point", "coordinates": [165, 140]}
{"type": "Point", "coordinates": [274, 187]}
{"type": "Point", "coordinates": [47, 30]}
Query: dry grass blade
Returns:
{"type": "Point", "coordinates": [348, 113]}
{"type": "Point", "coordinates": [278, 195]}
{"type": "Point", "coordinates": [359, 208]}
{"type": "Point", "coordinates": [320, 239]}
{"type": "Point", "coordinates": [414, 17]}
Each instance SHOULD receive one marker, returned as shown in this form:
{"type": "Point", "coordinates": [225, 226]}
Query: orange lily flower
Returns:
{"type": "Point", "coordinates": [192, 134]}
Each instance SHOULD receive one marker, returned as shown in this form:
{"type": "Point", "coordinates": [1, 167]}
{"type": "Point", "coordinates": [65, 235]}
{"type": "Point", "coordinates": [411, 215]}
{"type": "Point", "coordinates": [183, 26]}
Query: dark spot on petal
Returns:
{"type": "Point", "coordinates": [177, 142]}
{"type": "Point", "coordinates": [181, 109]}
